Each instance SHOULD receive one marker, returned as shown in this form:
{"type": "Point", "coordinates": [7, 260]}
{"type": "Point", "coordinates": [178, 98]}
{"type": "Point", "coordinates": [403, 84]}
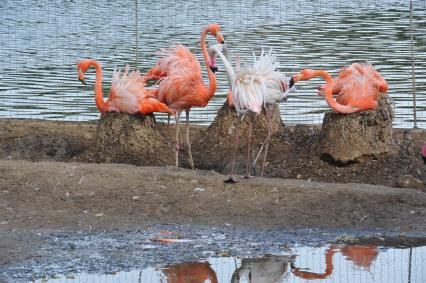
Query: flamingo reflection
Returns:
{"type": "Point", "coordinates": [362, 256]}
{"type": "Point", "coordinates": [191, 272]}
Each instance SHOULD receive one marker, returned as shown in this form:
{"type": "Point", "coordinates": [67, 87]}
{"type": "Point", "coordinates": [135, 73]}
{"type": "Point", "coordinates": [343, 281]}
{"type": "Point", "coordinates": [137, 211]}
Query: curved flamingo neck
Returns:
{"type": "Point", "coordinates": [344, 109]}
{"type": "Point", "coordinates": [99, 99]}
{"type": "Point", "coordinates": [230, 74]}
{"type": "Point", "coordinates": [212, 77]}
{"type": "Point", "coordinates": [328, 268]}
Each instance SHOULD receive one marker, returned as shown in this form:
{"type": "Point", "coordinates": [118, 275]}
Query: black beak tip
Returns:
{"type": "Point", "coordinates": [82, 81]}
{"type": "Point", "coordinates": [223, 41]}
{"type": "Point", "coordinates": [291, 84]}
{"type": "Point", "coordinates": [214, 69]}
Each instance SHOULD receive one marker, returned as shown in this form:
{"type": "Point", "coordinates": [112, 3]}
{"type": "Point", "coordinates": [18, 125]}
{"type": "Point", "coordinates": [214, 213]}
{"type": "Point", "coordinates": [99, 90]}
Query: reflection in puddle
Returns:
{"type": "Point", "coordinates": [361, 256]}
{"type": "Point", "coordinates": [333, 263]}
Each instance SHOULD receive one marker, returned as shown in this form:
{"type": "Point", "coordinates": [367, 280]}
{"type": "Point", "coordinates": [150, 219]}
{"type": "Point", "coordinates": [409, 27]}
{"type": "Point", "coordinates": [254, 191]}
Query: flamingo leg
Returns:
{"type": "Point", "coordinates": [177, 145]}
{"type": "Point", "coordinates": [268, 138]}
{"type": "Point", "coordinates": [231, 178]}
{"type": "Point", "coordinates": [249, 147]}
{"type": "Point", "coordinates": [266, 141]}
{"type": "Point", "coordinates": [168, 118]}
{"type": "Point", "coordinates": [188, 142]}
{"type": "Point", "coordinates": [253, 167]}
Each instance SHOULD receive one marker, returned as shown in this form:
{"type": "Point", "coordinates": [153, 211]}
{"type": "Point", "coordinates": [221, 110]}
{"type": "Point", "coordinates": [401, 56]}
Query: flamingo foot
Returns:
{"type": "Point", "coordinates": [231, 180]}
{"type": "Point", "coordinates": [253, 170]}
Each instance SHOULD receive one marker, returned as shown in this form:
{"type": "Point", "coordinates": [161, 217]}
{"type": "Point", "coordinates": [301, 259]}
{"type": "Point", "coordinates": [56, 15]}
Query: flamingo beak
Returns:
{"type": "Point", "coordinates": [213, 65]}
{"type": "Point", "coordinates": [291, 83]}
{"type": "Point", "coordinates": [81, 78]}
{"type": "Point", "coordinates": [294, 80]}
{"type": "Point", "coordinates": [214, 69]}
{"type": "Point", "coordinates": [220, 38]}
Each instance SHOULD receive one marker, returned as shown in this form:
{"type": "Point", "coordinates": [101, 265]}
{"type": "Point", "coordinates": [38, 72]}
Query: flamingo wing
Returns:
{"type": "Point", "coordinates": [129, 95]}
{"type": "Point", "coordinates": [182, 89]}
{"type": "Point", "coordinates": [276, 83]}
{"type": "Point", "coordinates": [183, 86]}
{"type": "Point", "coordinates": [127, 88]}
{"type": "Point", "coordinates": [358, 88]}
{"type": "Point", "coordinates": [248, 91]}
{"type": "Point", "coordinates": [172, 58]}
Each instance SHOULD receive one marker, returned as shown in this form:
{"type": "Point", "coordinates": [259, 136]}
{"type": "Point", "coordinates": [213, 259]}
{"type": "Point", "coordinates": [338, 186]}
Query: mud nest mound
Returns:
{"type": "Point", "coordinates": [216, 147]}
{"type": "Point", "coordinates": [355, 137]}
{"type": "Point", "coordinates": [124, 138]}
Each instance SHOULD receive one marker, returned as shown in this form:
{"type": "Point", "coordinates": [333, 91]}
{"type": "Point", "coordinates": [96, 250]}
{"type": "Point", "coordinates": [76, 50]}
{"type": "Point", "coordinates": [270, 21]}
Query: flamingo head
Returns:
{"type": "Point", "coordinates": [82, 67]}
{"type": "Point", "coordinates": [377, 80]}
{"type": "Point", "coordinates": [213, 52]}
{"type": "Point", "coordinates": [305, 74]}
{"type": "Point", "coordinates": [321, 90]}
{"type": "Point", "coordinates": [382, 84]}
{"type": "Point", "coordinates": [214, 29]}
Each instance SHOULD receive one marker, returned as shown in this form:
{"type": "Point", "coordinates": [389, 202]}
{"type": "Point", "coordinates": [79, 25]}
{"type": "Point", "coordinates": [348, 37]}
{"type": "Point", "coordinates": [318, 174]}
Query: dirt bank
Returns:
{"type": "Point", "coordinates": [53, 195]}
{"type": "Point", "coordinates": [292, 152]}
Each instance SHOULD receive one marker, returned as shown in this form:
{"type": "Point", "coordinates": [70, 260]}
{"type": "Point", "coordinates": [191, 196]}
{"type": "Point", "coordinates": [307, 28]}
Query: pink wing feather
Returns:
{"type": "Point", "coordinates": [180, 85]}
{"type": "Point", "coordinates": [173, 58]}
{"type": "Point", "coordinates": [127, 91]}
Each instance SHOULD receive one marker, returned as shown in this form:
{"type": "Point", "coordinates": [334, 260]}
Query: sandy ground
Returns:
{"type": "Point", "coordinates": [61, 194]}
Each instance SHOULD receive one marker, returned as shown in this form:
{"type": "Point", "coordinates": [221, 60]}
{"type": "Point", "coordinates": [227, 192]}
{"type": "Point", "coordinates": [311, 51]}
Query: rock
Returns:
{"type": "Point", "coordinates": [350, 138]}
{"type": "Point", "coordinates": [124, 138]}
{"type": "Point", "coordinates": [409, 181]}
{"type": "Point", "coordinates": [216, 145]}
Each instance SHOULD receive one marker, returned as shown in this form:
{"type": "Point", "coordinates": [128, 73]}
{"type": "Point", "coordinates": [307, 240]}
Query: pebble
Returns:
{"type": "Point", "coordinates": [199, 190]}
{"type": "Point", "coordinates": [165, 209]}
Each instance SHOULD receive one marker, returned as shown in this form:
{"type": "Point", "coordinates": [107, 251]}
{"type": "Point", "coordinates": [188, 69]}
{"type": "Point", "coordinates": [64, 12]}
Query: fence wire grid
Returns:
{"type": "Point", "coordinates": [42, 41]}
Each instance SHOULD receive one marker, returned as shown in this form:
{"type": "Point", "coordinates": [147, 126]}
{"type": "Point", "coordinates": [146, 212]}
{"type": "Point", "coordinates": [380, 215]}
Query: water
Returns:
{"type": "Point", "coordinates": [331, 263]}
{"type": "Point", "coordinates": [41, 42]}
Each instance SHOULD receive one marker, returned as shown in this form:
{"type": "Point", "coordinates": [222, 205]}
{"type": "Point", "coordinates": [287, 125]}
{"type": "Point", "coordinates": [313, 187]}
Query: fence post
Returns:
{"type": "Point", "coordinates": [136, 31]}
{"type": "Point", "coordinates": [413, 76]}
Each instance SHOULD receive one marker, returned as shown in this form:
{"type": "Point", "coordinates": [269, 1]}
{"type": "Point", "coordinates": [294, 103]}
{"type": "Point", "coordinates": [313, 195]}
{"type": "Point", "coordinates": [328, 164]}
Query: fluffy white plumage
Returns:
{"type": "Point", "coordinates": [127, 90]}
{"type": "Point", "coordinates": [257, 86]}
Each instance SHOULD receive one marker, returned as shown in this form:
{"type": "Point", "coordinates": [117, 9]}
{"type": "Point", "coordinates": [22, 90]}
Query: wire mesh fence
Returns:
{"type": "Point", "coordinates": [42, 41]}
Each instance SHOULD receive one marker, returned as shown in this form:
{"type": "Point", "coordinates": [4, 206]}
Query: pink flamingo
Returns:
{"type": "Point", "coordinates": [254, 88]}
{"type": "Point", "coordinates": [357, 87]}
{"type": "Point", "coordinates": [181, 85]}
{"type": "Point", "coordinates": [127, 94]}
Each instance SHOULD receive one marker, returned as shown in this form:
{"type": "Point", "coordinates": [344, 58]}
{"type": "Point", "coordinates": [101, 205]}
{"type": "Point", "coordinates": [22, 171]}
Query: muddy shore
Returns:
{"type": "Point", "coordinates": [52, 212]}
{"type": "Point", "coordinates": [50, 188]}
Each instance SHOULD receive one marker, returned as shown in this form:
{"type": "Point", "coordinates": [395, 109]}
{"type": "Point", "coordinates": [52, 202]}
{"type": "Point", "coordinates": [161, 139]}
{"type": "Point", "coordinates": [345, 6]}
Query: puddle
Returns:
{"type": "Point", "coordinates": [330, 263]}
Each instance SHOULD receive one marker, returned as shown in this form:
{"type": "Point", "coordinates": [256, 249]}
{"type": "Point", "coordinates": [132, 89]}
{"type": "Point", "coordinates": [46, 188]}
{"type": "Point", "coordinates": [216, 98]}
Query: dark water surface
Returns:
{"type": "Point", "coordinates": [41, 42]}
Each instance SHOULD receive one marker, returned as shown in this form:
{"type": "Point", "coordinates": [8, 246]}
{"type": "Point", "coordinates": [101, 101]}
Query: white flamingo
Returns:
{"type": "Point", "coordinates": [254, 88]}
